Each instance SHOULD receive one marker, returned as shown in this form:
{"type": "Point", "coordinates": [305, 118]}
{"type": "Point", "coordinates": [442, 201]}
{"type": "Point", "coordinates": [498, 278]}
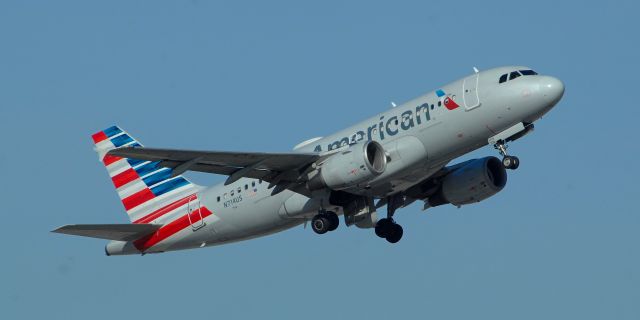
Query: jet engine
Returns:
{"type": "Point", "coordinates": [475, 181]}
{"type": "Point", "coordinates": [356, 165]}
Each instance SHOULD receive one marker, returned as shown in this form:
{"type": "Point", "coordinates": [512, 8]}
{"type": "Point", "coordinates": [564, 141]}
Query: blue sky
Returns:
{"type": "Point", "coordinates": [561, 241]}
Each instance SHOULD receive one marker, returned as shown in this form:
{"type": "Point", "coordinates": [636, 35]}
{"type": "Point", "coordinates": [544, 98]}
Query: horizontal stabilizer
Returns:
{"type": "Point", "coordinates": [121, 232]}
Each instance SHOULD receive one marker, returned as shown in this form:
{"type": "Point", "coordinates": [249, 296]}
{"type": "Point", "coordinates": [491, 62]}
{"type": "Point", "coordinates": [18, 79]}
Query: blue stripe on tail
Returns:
{"type": "Point", "coordinates": [159, 176]}
{"type": "Point", "coordinates": [121, 140]}
{"type": "Point", "coordinates": [112, 131]}
{"type": "Point", "coordinates": [169, 186]}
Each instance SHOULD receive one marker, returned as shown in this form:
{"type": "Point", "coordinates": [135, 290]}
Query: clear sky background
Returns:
{"type": "Point", "coordinates": [560, 242]}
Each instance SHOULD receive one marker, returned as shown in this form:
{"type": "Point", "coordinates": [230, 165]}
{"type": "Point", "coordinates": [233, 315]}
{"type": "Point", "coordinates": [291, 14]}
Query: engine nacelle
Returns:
{"type": "Point", "coordinates": [358, 164]}
{"type": "Point", "coordinates": [477, 180]}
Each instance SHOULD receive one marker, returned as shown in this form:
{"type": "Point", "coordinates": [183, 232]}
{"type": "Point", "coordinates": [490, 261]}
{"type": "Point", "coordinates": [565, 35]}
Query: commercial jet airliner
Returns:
{"type": "Point", "coordinates": [392, 159]}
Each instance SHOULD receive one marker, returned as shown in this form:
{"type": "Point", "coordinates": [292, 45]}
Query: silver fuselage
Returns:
{"type": "Point", "coordinates": [418, 142]}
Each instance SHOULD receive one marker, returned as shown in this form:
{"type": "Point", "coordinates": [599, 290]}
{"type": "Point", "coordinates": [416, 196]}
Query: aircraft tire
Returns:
{"type": "Point", "coordinates": [334, 220]}
{"type": "Point", "coordinates": [320, 224]}
{"type": "Point", "coordinates": [511, 162]}
{"type": "Point", "coordinates": [516, 163]}
{"type": "Point", "coordinates": [506, 162]}
{"type": "Point", "coordinates": [382, 227]}
{"type": "Point", "coordinates": [395, 233]}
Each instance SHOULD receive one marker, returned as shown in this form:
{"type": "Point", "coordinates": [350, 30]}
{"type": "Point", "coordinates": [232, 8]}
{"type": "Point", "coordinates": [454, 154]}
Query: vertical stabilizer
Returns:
{"type": "Point", "coordinates": [149, 193]}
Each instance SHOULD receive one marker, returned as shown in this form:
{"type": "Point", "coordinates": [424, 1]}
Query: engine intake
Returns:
{"type": "Point", "coordinates": [477, 180]}
{"type": "Point", "coordinates": [356, 165]}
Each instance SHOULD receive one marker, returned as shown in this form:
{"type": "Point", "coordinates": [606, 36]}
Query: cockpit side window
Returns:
{"type": "Point", "coordinates": [528, 72]}
{"type": "Point", "coordinates": [514, 75]}
{"type": "Point", "coordinates": [503, 78]}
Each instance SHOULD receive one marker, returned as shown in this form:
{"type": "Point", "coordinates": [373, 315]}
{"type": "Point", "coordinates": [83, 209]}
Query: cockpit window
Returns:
{"type": "Point", "coordinates": [528, 72]}
{"type": "Point", "coordinates": [514, 75]}
{"type": "Point", "coordinates": [503, 78]}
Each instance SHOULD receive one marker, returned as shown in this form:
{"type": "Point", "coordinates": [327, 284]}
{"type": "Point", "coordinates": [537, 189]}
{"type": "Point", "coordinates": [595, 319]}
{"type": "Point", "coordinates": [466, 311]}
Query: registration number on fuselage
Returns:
{"type": "Point", "coordinates": [233, 202]}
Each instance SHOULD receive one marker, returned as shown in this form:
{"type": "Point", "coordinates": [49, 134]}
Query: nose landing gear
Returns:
{"type": "Point", "coordinates": [509, 162]}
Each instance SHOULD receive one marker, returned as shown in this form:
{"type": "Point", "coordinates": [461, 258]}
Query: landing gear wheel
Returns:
{"type": "Point", "coordinates": [382, 227]}
{"type": "Point", "coordinates": [334, 220]}
{"type": "Point", "coordinates": [320, 224]}
{"type": "Point", "coordinates": [511, 162]}
{"type": "Point", "coordinates": [516, 163]}
{"type": "Point", "coordinates": [506, 162]}
{"type": "Point", "coordinates": [388, 229]}
{"type": "Point", "coordinates": [395, 233]}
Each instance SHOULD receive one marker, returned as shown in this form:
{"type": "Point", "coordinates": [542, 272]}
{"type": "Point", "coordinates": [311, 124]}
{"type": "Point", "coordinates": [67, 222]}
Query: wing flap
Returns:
{"type": "Point", "coordinates": [121, 232]}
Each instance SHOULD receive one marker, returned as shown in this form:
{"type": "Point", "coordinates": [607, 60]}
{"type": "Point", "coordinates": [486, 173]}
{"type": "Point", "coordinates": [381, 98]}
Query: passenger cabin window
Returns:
{"type": "Point", "coordinates": [503, 78]}
{"type": "Point", "coordinates": [218, 198]}
{"type": "Point", "coordinates": [253, 183]}
{"type": "Point", "coordinates": [246, 186]}
{"type": "Point", "coordinates": [514, 75]}
{"type": "Point", "coordinates": [528, 72]}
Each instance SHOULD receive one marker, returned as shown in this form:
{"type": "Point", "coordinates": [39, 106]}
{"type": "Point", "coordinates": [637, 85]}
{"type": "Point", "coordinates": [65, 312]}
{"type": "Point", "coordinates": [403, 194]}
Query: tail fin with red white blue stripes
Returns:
{"type": "Point", "coordinates": [149, 193]}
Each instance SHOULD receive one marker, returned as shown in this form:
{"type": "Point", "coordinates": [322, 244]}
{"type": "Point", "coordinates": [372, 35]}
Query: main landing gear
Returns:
{"type": "Point", "coordinates": [509, 162]}
{"type": "Point", "coordinates": [324, 222]}
{"type": "Point", "coordinates": [387, 228]}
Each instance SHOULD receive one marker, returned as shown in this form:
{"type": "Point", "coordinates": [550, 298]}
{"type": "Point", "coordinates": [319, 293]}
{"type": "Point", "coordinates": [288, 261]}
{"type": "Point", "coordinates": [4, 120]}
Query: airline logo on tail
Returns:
{"type": "Point", "coordinates": [150, 193]}
{"type": "Point", "coordinates": [138, 182]}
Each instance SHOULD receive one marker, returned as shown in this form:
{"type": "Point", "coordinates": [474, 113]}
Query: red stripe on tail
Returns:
{"type": "Point", "coordinates": [124, 177]}
{"type": "Point", "coordinates": [137, 199]}
{"type": "Point", "coordinates": [99, 136]}
{"type": "Point", "coordinates": [109, 159]}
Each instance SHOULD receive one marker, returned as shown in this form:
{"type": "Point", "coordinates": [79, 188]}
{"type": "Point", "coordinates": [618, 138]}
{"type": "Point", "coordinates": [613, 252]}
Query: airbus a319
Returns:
{"type": "Point", "coordinates": [392, 159]}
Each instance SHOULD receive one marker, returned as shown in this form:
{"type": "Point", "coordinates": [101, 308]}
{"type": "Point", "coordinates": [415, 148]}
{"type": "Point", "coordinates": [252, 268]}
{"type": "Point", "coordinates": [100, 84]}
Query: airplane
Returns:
{"type": "Point", "coordinates": [392, 159]}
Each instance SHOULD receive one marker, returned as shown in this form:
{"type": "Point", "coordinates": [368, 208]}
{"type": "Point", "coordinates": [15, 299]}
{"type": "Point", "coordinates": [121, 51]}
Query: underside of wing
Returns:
{"type": "Point", "coordinates": [283, 170]}
{"type": "Point", "coordinates": [122, 232]}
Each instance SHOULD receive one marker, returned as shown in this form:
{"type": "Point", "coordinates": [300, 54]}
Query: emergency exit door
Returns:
{"type": "Point", "coordinates": [194, 213]}
{"type": "Point", "coordinates": [470, 92]}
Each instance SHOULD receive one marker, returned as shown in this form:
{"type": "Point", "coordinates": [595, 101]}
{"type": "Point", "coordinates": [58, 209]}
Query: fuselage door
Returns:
{"type": "Point", "coordinates": [470, 91]}
{"type": "Point", "coordinates": [194, 213]}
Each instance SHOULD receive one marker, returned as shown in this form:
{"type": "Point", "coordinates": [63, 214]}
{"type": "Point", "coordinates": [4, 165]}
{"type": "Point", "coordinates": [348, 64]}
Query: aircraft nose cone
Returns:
{"type": "Point", "coordinates": [552, 89]}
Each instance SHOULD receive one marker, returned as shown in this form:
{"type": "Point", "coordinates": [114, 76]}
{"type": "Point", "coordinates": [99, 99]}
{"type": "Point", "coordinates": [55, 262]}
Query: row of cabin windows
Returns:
{"type": "Point", "coordinates": [515, 74]}
{"type": "Point", "coordinates": [238, 190]}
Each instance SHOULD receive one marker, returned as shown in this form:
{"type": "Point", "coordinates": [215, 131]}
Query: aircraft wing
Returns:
{"type": "Point", "coordinates": [283, 170]}
{"type": "Point", "coordinates": [122, 232]}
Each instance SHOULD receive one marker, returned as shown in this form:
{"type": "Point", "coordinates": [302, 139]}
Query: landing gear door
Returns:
{"type": "Point", "coordinates": [194, 213]}
{"type": "Point", "coordinates": [470, 92]}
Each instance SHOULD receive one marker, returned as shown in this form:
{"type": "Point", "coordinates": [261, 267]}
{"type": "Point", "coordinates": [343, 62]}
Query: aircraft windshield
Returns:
{"type": "Point", "coordinates": [515, 74]}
